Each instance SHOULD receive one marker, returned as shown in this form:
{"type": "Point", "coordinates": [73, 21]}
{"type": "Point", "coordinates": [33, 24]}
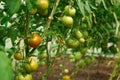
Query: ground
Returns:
{"type": "Point", "coordinates": [101, 71]}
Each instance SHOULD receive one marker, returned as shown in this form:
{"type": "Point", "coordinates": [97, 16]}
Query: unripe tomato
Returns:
{"type": "Point", "coordinates": [18, 55]}
{"type": "Point", "coordinates": [42, 63]}
{"type": "Point", "coordinates": [43, 12]}
{"type": "Point", "coordinates": [72, 43]}
{"type": "Point", "coordinates": [67, 20]}
{"type": "Point", "coordinates": [85, 34]}
{"type": "Point", "coordinates": [71, 56]}
{"type": "Point", "coordinates": [31, 64]}
{"type": "Point", "coordinates": [23, 77]}
{"type": "Point", "coordinates": [42, 4]}
{"type": "Point", "coordinates": [82, 64]}
{"type": "Point", "coordinates": [82, 40]}
{"type": "Point", "coordinates": [77, 34]}
{"type": "Point", "coordinates": [88, 60]}
{"type": "Point", "coordinates": [66, 71]}
{"type": "Point", "coordinates": [66, 77]}
{"type": "Point", "coordinates": [78, 56]}
{"type": "Point", "coordinates": [84, 26]}
{"type": "Point", "coordinates": [69, 10]}
{"type": "Point", "coordinates": [34, 41]}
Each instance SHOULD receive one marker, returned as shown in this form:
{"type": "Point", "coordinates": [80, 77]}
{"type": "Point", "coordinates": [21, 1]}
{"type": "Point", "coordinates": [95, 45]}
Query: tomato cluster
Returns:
{"type": "Point", "coordinates": [41, 7]}
{"type": "Point", "coordinates": [67, 19]}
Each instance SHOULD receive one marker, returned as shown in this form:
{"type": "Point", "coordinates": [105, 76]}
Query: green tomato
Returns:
{"type": "Point", "coordinates": [82, 40]}
{"type": "Point", "coordinates": [31, 65]}
{"type": "Point", "coordinates": [71, 56]}
{"type": "Point", "coordinates": [84, 26]}
{"type": "Point", "coordinates": [82, 64]}
{"type": "Point", "coordinates": [67, 20]}
{"type": "Point", "coordinates": [69, 10]}
{"type": "Point", "coordinates": [78, 56]}
{"type": "Point", "coordinates": [77, 34]}
{"type": "Point", "coordinates": [72, 43]}
{"type": "Point", "coordinates": [42, 63]}
{"type": "Point", "coordinates": [87, 60]}
{"type": "Point", "coordinates": [23, 77]}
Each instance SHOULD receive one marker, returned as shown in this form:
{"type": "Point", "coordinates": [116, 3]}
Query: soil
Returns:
{"type": "Point", "coordinates": [98, 71]}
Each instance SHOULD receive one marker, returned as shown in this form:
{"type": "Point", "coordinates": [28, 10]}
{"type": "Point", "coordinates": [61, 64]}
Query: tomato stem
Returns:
{"type": "Point", "coordinates": [50, 18]}
{"type": "Point", "coordinates": [27, 29]}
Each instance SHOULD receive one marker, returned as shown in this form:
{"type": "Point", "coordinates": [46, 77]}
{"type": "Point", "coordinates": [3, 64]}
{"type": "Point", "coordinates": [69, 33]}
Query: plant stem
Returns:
{"type": "Point", "coordinates": [117, 24]}
{"type": "Point", "coordinates": [27, 29]}
{"type": "Point", "coordinates": [50, 18]}
{"type": "Point", "coordinates": [114, 72]}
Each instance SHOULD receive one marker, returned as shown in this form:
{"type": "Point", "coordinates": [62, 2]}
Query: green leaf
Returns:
{"type": "Point", "coordinates": [5, 67]}
{"type": "Point", "coordinates": [81, 7]}
{"type": "Point", "coordinates": [98, 2]}
{"type": "Point", "coordinates": [104, 5]}
{"type": "Point", "coordinates": [14, 5]}
{"type": "Point", "coordinates": [13, 33]}
{"type": "Point", "coordinates": [87, 7]}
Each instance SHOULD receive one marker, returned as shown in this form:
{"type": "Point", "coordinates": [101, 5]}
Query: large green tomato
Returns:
{"type": "Point", "coordinates": [23, 77]}
{"type": "Point", "coordinates": [72, 43]}
{"type": "Point", "coordinates": [69, 10]}
{"type": "Point", "coordinates": [77, 34]}
{"type": "Point", "coordinates": [67, 20]}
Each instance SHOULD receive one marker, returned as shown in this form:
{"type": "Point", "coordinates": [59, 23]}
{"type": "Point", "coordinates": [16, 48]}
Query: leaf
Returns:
{"type": "Point", "coordinates": [98, 2]}
{"type": "Point", "coordinates": [29, 4]}
{"type": "Point", "coordinates": [13, 5]}
{"type": "Point", "coordinates": [104, 5]}
{"type": "Point", "coordinates": [13, 33]}
{"type": "Point", "coordinates": [81, 7]}
{"type": "Point", "coordinates": [5, 67]}
{"type": "Point", "coordinates": [87, 7]}
{"type": "Point", "coordinates": [4, 20]}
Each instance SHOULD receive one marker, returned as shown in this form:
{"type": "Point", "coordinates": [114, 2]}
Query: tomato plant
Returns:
{"type": "Point", "coordinates": [85, 27]}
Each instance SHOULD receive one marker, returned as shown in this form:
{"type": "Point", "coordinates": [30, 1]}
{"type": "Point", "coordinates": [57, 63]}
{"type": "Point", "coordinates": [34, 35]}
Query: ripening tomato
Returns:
{"type": "Point", "coordinates": [67, 20]}
{"type": "Point", "coordinates": [42, 4]}
{"type": "Point", "coordinates": [43, 12]}
{"type": "Point", "coordinates": [31, 64]}
{"type": "Point", "coordinates": [69, 10]}
{"type": "Point", "coordinates": [23, 77]}
{"type": "Point", "coordinates": [34, 40]}
{"type": "Point", "coordinates": [33, 11]}
{"type": "Point", "coordinates": [18, 55]}
{"type": "Point", "coordinates": [66, 77]}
